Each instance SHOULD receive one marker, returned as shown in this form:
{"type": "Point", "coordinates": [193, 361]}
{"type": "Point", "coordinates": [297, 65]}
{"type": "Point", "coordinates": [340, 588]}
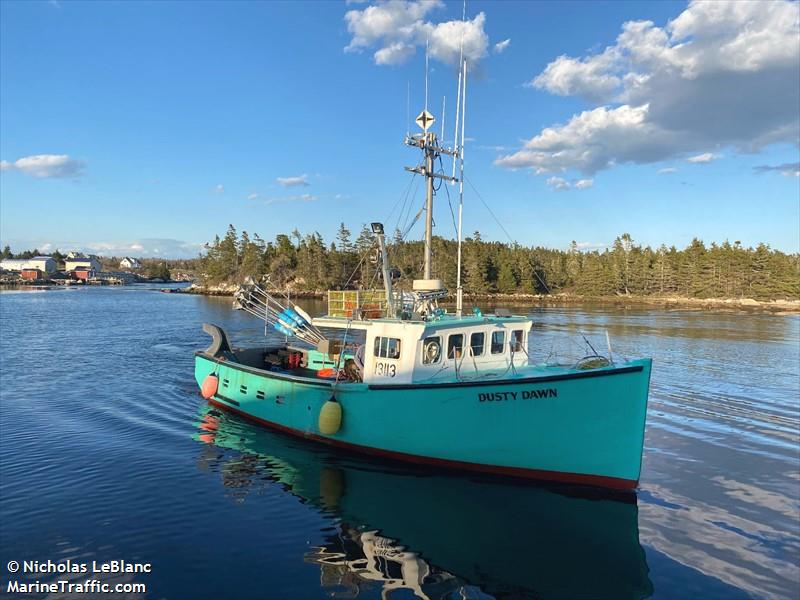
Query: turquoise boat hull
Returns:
{"type": "Point", "coordinates": [560, 425]}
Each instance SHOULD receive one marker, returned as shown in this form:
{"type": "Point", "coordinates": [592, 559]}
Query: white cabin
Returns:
{"type": "Point", "coordinates": [451, 348]}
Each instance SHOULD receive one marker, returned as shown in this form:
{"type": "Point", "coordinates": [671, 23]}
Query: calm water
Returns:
{"type": "Point", "coordinates": [108, 452]}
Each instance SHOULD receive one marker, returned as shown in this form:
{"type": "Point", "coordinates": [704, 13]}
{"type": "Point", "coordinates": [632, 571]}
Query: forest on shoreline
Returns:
{"type": "Point", "coordinates": [307, 263]}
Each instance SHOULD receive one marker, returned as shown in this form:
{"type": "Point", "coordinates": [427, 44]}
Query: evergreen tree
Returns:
{"type": "Point", "coordinates": [343, 239]}
{"type": "Point", "coordinates": [506, 280]}
{"type": "Point", "coordinates": [251, 258]}
{"type": "Point", "coordinates": [726, 270]}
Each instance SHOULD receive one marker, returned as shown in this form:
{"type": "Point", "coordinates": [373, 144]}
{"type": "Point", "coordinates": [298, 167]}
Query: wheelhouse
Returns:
{"type": "Point", "coordinates": [403, 352]}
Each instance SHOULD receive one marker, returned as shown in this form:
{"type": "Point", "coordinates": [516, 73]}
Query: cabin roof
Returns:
{"type": "Point", "coordinates": [446, 322]}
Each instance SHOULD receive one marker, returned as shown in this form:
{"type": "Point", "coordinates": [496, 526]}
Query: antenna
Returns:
{"type": "Point", "coordinates": [458, 109]}
{"type": "Point", "coordinates": [426, 74]}
{"type": "Point", "coordinates": [408, 106]}
{"type": "Point", "coordinates": [458, 95]}
{"type": "Point", "coordinates": [444, 98]}
{"type": "Point", "coordinates": [461, 102]}
{"type": "Point", "coordinates": [459, 289]}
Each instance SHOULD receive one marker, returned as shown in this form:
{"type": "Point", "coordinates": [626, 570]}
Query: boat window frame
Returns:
{"type": "Point", "coordinates": [461, 347]}
{"type": "Point", "coordinates": [472, 344]}
{"type": "Point", "coordinates": [425, 342]}
{"type": "Point", "coordinates": [517, 341]}
{"type": "Point", "coordinates": [501, 347]}
{"type": "Point", "coordinates": [381, 350]}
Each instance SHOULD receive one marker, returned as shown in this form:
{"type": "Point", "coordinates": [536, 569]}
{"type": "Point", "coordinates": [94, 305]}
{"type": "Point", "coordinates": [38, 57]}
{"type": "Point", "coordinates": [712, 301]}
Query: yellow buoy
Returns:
{"type": "Point", "coordinates": [330, 417]}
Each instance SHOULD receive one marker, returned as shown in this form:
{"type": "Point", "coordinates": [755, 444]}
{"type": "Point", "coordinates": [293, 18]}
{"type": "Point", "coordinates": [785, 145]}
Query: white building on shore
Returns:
{"type": "Point", "coordinates": [90, 263]}
{"type": "Point", "coordinates": [130, 264]}
{"type": "Point", "coordinates": [45, 264]}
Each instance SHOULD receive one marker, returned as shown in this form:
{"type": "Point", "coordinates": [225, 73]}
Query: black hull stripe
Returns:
{"type": "Point", "coordinates": [226, 399]}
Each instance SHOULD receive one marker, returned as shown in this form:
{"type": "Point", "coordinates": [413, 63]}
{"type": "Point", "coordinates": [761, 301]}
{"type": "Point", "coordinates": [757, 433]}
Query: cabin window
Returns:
{"type": "Point", "coordinates": [476, 341]}
{"type": "Point", "coordinates": [516, 340]}
{"type": "Point", "coordinates": [455, 345]}
{"type": "Point", "coordinates": [431, 350]}
{"type": "Point", "coordinates": [498, 342]}
{"type": "Point", "coordinates": [386, 347]}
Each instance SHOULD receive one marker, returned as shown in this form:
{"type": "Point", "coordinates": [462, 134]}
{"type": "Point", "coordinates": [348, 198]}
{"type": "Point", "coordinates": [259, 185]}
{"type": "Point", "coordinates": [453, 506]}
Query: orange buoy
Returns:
{"type": "Point", "coordinates": [209, 387]}
{"type": "Point", "coordinates": [326, 373]}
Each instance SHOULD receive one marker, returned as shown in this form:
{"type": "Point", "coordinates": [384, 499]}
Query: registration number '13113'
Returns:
{"type": "Point", "coordinates": [385, 369]}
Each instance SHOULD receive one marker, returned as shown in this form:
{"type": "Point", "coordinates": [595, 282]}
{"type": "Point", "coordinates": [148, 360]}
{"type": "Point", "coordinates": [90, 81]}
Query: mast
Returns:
{"type": "Point", "coordinates": [428, 143]}
{"type": "Point", "coordinates": [429, 157]}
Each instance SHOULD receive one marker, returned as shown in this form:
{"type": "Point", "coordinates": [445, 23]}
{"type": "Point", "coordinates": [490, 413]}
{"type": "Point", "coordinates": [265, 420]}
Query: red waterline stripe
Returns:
{"type": "Point", "coordinates": [561, 477]}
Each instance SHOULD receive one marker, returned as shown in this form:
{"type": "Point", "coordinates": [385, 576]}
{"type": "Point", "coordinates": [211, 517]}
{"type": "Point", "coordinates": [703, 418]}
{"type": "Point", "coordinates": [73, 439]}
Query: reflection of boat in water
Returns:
{"type": "Point", "coordinates": [436, 535]}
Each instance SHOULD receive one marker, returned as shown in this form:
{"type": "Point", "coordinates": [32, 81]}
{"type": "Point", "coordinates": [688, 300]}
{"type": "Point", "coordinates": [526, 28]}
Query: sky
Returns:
{"type": "Point", "coordinates": [145, 128]}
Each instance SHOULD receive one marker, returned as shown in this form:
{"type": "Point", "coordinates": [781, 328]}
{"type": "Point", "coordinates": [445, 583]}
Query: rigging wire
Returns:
{"type": "Point", "coordinates": [450, 204]}
{"type": "Point", "coordinates": [508, 235]}
{"type": "Point", "coordinates": [404, 197]}
{"type": "Point", "coordinates": [406, 226]}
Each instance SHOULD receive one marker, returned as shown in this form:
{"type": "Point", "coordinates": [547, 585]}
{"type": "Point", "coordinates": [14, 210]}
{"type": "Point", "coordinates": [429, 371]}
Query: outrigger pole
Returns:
{"type": "Point", "coordinates": [461, 103]}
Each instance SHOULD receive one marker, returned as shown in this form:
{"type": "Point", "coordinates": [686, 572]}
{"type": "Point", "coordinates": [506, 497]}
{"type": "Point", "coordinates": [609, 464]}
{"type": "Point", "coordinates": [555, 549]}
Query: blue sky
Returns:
{"type": "Point", "coordinates": [144, 128]}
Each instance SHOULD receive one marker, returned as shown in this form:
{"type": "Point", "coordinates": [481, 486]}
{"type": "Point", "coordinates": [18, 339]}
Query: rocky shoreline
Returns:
{"type": "Point", "coordinates": [672, 302]}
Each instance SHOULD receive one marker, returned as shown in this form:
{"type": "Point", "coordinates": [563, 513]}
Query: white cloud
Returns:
{"type": "Point", "coordinates": [142, 247]}
{"type": "Point", "coordinates": [46, 165]}
{"type": "Point", "coordinates": [583, 143]}
{"type": "Point", "coordinates": [721, 74]}
{"type": "Point", "coordinates": [145, 247]}
{"type": "Point", "coordinates": [587, 77]}
{"type": "Point", "coordinates": [219, 189]}
{"type": "Point", "coordinates": [590, 246]}
{"type": "Point", "coordinates": [500, 46]}
{"type": "Point", "coordinates": [398, 27]}
{"type": "Point", "coordinates": [706, 157]}
{"type": "Point", "coordinates": [667, 170]}
{"type": "Point", "coordinates": [293, 181]}
{"type": "Point", "coordinates": [786, 169]}
{"type": "Point", "coordinates": [253, 196]}
{"type": "Point", "coordinates": [559, 184]}
{"type": "Point", "coordinates": [395, 53]}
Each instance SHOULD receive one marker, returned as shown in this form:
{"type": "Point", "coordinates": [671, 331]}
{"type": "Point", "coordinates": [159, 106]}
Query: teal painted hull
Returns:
{"type": "Point", "coordinates": [575, 426]}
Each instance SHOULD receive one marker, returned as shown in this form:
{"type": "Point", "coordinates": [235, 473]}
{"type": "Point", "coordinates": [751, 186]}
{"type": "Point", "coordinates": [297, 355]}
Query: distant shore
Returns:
{"type": "Point", "coordinates": [674, 302]}
{"type": "Point", "coordinates": [62, 282]}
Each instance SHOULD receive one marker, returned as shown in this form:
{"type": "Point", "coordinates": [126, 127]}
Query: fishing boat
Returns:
{"type": "Point", "coordinates": [393, 374]}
